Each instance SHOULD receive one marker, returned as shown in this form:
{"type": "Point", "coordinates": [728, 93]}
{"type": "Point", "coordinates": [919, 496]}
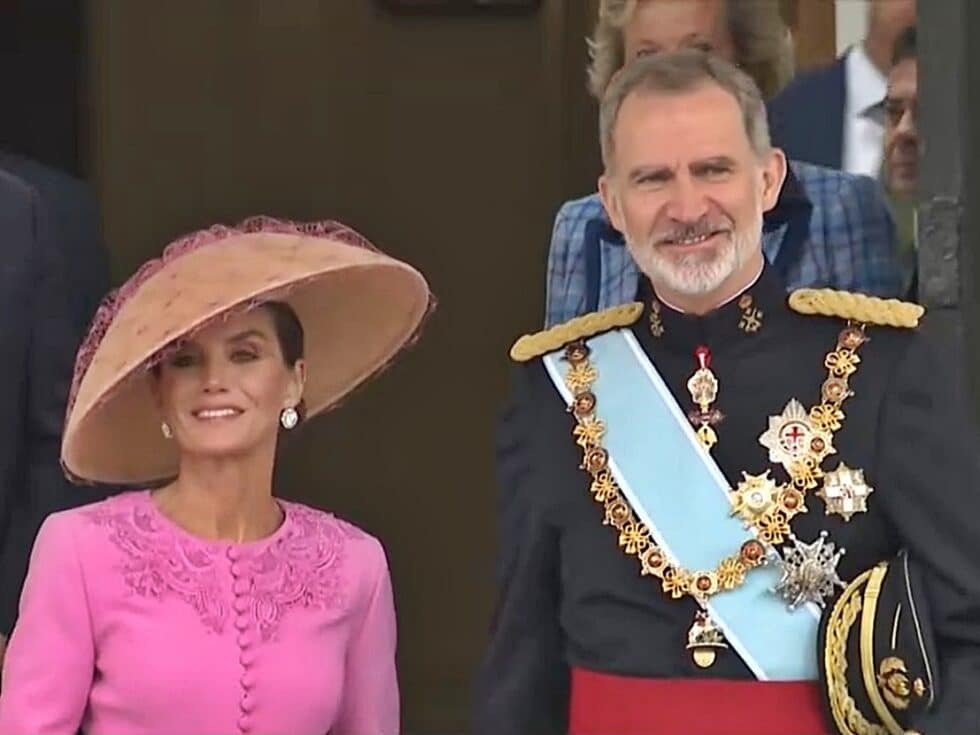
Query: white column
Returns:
{"type": "Point", "coordinates": [852, 22]}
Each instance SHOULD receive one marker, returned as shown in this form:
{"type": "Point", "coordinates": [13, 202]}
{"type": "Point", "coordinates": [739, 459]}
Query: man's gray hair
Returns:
{"type": "Point", "coordinates": [678, 72]}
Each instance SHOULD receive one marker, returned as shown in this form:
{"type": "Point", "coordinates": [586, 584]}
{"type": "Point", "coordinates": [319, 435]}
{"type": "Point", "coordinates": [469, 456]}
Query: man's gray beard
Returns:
{"type": "Point", "coordinates": [693, 274]}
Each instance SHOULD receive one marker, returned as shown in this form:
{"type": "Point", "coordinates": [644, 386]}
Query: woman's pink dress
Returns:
{"type": "Point", "coordinates": [130, 626]}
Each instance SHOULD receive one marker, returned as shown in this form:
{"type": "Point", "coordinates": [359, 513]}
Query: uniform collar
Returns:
{"type": "Point", "coordinates": [740, 320]}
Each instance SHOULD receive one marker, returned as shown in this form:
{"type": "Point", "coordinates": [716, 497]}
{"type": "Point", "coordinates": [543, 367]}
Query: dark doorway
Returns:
{"type": "Point", "coordinates": [40, 80]}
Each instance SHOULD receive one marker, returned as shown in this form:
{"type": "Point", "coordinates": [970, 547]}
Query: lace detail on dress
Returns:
{"type": "Point", "coordinates": [158, 561]}
{"type": "Point", "coordinates": [300, 566]}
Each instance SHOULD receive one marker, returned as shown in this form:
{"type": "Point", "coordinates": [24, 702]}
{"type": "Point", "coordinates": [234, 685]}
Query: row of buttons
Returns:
{"type": "Point", "coordinates": [246, 640]}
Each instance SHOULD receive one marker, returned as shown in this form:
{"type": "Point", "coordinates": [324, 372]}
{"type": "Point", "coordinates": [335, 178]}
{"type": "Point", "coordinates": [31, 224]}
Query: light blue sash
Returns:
{"type": "Point", "coordinates": [677, 490]}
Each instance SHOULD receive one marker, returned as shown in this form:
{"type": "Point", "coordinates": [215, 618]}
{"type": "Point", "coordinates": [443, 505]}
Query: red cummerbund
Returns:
{"type": "Point", "coordinates": [607, 704]}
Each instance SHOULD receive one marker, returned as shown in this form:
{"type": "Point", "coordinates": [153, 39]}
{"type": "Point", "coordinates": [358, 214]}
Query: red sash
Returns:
{"type": "Point", "coordinates": [607, 704]}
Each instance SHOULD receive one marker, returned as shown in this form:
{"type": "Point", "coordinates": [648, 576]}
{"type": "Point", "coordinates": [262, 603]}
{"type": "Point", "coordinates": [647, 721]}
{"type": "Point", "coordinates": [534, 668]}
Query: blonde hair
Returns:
{"type": "Point", "coordinates": [763, 44]}
{"type": "Point", "coordinates": [677, 72]}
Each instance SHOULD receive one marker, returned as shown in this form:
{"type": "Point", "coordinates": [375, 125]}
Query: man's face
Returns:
{"type": "Point", "coordinates": [688, 192]}
{"type": "Point", "coordinates": [670, 25]}
{"type": "Point", "coordinates": [901, 130]}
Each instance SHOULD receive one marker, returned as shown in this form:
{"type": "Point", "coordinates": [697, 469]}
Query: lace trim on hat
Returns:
{"type": "Point", "coordinates": [114, 301]}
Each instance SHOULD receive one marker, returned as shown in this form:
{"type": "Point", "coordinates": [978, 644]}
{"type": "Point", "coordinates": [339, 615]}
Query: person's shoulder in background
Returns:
{"type": "Point", "coordinates": [806, 119]}
{"type": "Point", "coordinates": [72, 206]}
{"type": "Point", "coordinates": [47, 180]}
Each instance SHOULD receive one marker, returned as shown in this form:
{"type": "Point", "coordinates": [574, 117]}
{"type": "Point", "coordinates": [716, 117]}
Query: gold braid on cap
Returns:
{"type": "Point", "coordinates": [842, 617]}
{"type": "Point", "coordinates": [856, 307]}
{"type": "Point", "coordinates": [531, 346]}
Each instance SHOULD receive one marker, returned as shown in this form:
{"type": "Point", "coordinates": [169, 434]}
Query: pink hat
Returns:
{"type": "Point", "coordinates": [358, 307]}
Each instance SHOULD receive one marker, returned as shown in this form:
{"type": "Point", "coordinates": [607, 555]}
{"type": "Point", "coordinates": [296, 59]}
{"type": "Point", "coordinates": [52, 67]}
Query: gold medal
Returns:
{"type": "Point", "coordinates": [766, 506]}
{"type": "Point", "coordinates": [755, 496]}
{"type": "Point", "coordinates": [703, 387]}
{"type": "Point", "coordinates": [704, 639]}
{"type": "Point", "coordinates": [707, 436]}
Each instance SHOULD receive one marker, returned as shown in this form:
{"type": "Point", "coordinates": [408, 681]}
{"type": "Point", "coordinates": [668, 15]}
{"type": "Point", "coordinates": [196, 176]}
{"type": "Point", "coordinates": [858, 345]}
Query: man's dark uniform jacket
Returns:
{"type": "Point", "coordinates": [569, 597]}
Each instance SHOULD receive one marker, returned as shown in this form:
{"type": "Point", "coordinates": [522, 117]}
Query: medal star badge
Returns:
{"type": "Point", "coordinates": [795, 442]}
{"type": "Point", "coordinates": [845, 492]}
{"type": "Point", "coordinates": [808, 572]}
{"type": "Point", "coordinates": [755, 496]}
{"type": "Point", "coordinates": [766, 506]}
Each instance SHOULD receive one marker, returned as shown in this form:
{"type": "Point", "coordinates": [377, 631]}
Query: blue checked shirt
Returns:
{"type": "Point", "coordinates": [828, 229]}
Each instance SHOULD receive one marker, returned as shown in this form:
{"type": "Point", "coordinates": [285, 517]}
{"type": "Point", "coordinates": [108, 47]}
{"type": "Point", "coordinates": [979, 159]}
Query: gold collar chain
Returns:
{"type": "Point", "coordinates": [769, 513]}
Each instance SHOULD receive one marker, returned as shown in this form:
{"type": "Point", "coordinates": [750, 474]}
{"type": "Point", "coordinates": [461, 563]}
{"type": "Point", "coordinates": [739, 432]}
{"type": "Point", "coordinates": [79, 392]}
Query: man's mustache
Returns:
{"type": "Point", "coordinates": [703, 227]}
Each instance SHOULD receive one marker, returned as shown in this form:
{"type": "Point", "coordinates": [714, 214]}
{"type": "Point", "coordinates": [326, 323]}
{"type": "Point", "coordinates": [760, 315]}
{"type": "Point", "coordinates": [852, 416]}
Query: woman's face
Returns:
{"type": "Point", "coordinates": [223, 390]}
{"type": "Point", "coordinates": [658, 26]}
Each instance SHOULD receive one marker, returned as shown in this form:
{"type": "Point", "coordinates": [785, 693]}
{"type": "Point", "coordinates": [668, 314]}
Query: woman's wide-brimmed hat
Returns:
{"type": "Point", "coordinates": [358, 307]}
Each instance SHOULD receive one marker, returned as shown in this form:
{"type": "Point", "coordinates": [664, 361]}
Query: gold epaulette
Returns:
{"type": "Point", "coordinates": [531, 346]}
{"type": "Point", "coordinates": [856, 307]}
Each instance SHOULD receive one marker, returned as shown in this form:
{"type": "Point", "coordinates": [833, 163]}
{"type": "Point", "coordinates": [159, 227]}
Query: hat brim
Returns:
{"type": "Point", "coordinates": [358, 308]}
